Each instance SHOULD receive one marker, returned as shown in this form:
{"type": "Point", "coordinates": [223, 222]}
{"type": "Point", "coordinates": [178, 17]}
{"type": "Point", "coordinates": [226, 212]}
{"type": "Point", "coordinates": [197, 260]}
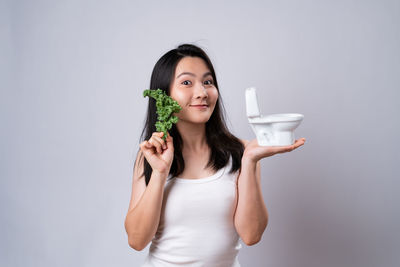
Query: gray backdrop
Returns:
{"type": "Point", "coordinates": [72, 76]}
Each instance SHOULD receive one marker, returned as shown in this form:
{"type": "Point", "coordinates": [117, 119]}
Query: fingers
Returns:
{"type": "Point", "coordinates": [296, 144]}
{"type": "Point", "coordinates": [169, 139]}
{"type": "Point", "coordinates": [155, 142]}
{"type": "Point", "coordinates": [145, 147]}
{"type": "Point", "coordinates": [299, 142]}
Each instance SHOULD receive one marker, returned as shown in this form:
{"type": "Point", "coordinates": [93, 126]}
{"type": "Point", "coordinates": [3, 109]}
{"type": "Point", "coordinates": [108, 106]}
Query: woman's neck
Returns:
{"type": "Point", "coordinates": [193, 137]}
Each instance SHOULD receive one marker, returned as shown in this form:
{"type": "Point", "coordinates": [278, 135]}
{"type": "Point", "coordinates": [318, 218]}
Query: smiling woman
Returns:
{"type": "Point", "coordinates": [175, 183]}
{"type": "Point", "coordinates": [195, 195]}
{"type": "Point", "coordinates": [187, 75]}
{"type": "Point", "coordinates": [194, 89]}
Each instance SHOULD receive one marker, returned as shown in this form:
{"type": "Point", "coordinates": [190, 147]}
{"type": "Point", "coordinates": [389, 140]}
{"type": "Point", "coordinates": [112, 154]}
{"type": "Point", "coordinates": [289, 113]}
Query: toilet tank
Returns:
{"type": "Point", "coordinates": [252, 109]}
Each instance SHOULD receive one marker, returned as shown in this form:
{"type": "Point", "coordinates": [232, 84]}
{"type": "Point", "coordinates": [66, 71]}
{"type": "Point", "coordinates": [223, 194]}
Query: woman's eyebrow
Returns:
{"type": "Point", "coordinates": [192, 74]}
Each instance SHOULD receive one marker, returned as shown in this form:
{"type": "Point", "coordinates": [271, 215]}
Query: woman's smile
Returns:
{"type": "Point", "coordinates": [201, 107]}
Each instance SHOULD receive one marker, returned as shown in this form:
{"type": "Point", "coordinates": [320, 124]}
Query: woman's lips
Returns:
{"type": "Point", "coordinates": [199, 106]}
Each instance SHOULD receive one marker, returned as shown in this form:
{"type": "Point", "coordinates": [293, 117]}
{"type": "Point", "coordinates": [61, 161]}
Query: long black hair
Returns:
{"type": "Point", "coordinates": [222, 143]}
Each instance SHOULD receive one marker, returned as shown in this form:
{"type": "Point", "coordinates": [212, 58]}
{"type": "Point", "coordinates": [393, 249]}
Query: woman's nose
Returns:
{"type": "Point", "coordinates": [201, 91]}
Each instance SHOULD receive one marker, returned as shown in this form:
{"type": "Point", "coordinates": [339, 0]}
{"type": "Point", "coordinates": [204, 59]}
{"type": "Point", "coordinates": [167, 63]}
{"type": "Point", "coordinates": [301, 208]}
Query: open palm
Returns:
{"type": "Point", "coordinates": [255, 152]}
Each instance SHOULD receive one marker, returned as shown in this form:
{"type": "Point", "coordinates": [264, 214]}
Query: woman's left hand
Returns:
{"type": "Point", "coordinates": [255, 152]}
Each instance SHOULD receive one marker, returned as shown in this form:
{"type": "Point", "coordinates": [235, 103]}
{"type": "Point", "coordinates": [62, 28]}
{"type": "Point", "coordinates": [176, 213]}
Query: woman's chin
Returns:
{"type": "Point", "coordinates": [195, 120]}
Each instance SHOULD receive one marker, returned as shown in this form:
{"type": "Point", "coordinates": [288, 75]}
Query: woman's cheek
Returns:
{"type": "Point", "coordinates": [180, 97]}
{"type": "Point", "coordinates": [214, 94]}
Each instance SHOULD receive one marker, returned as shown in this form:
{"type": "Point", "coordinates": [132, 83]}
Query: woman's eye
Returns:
{"type": "Point", "coordinates": [208, 82]}
{"type": "Point", "coordinates": [186, 82]}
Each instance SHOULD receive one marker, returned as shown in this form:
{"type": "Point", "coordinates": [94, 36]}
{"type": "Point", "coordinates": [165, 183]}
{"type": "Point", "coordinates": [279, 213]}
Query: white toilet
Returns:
{"type": "Point", "coordinates": [271, 130]}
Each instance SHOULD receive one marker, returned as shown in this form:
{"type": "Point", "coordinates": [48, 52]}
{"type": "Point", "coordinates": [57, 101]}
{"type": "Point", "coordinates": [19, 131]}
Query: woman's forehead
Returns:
{"type": "Point", "coordinates": [194, 65]}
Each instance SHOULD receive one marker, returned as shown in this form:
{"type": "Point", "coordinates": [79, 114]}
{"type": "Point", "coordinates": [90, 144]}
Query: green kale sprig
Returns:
{"type": "Point", "coordinates": [165, 107]}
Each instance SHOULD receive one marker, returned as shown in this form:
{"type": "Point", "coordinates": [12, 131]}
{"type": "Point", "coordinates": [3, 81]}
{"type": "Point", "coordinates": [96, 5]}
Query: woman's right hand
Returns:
{"type": "Point", "coordinates": [158, 153]}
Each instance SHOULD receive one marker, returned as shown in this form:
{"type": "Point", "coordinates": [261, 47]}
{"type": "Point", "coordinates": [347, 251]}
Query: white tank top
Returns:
{"type": "Point", "coordinates": [196, 223]}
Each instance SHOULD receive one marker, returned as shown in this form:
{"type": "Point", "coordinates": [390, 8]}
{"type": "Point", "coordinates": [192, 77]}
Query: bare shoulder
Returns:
{"type": "Point", "coordinates": [244, 142]}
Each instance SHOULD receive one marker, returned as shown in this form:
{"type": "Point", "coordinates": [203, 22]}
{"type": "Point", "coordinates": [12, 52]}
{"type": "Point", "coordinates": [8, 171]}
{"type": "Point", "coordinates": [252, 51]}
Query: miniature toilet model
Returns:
{"type": "Point", "coordinates": [271, 130]}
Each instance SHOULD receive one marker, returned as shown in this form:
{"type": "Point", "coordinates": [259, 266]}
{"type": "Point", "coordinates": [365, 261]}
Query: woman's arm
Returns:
{"type": "Point", "coordinates": [143, 216]}
{"type": "Point", "coordinates": [251, 216]}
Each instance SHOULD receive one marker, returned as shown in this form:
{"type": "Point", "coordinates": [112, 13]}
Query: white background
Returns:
{"type": "Point", "coordinates": [72, 76]}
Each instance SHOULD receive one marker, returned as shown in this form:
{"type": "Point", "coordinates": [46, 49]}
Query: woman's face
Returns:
{"type": "Point", "coordinates": [193, 85]}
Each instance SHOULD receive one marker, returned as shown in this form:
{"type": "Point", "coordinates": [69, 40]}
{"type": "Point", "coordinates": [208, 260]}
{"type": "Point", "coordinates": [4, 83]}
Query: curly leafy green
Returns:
{"type": "Point", "coordinates": [165, 107]}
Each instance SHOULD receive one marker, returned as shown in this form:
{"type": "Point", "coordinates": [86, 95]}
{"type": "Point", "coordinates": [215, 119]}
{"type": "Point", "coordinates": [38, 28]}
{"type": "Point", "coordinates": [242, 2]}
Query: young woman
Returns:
{"type": "Point", "coordinates": [195, 195]}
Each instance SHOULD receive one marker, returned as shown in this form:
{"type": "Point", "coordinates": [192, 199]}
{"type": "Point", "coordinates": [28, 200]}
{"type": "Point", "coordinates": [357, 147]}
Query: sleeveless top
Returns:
{"type": "Point", "coordinates": [197, 223]}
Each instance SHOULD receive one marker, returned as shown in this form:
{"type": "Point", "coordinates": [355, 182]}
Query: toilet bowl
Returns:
{"type": "Point", "coordinates": [271, 130]}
